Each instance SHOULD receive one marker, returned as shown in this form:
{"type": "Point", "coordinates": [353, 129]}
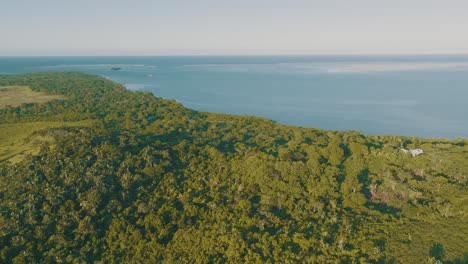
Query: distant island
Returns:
{"type": "Point", "coordinates": [93, 172]}
{"type": "Point", "coordinates": [116, 68]}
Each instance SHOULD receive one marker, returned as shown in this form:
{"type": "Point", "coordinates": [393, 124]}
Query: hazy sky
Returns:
{"type": "Point", "coordinates": [143, 27]}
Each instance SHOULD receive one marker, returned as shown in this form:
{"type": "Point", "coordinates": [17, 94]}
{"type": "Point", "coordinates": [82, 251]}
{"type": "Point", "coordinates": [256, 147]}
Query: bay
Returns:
{"type": "Point", "coordinates": [421, 95]}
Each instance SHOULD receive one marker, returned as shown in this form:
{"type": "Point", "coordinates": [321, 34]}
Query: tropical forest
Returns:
{"type": "Point", "coordinates": [91, 172]}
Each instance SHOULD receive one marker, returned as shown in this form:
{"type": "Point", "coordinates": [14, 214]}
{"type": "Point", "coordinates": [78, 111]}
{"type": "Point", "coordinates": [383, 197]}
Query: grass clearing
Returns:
{"type": "Point", "coordinates": [18, 140]}
{"type": "Point", "coordinates": [17, 95]}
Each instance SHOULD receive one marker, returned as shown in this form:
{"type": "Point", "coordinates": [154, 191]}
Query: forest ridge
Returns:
{"type": "Point", "coordinates": [108, 175]}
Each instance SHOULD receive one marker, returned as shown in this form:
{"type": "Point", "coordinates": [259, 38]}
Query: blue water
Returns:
{"type": "Point", "coordinates": [400, 95]}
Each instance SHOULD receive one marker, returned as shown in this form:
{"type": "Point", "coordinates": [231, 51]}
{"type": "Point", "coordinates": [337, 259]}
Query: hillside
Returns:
{"type": "Point", "coordinates": [129, 177]}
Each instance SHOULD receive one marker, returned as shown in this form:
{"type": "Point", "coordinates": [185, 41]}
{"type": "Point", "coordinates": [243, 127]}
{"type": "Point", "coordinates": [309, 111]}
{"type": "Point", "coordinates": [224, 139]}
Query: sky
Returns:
{"type": "Point", "coordinates": [232, 27]}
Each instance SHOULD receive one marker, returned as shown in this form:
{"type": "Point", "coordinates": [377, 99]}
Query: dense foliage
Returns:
{"type": "Point", "coordinates": [152, 181]}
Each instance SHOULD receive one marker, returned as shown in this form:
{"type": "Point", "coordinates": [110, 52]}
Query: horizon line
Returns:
{"type": "Point", "coordinates": [235, 55]}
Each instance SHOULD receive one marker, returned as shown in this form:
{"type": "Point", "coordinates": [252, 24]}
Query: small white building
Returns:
{"type": "Point", "coordinates": [413, 152]}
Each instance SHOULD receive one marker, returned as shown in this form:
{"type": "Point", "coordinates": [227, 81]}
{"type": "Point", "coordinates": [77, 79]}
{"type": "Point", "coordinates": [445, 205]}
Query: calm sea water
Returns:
{"type": "Point", "coordinates": [422, 96]}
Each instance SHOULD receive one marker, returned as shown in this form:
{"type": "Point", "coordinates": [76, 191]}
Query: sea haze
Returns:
{"type": "Point", "coordinates": [400, 95]}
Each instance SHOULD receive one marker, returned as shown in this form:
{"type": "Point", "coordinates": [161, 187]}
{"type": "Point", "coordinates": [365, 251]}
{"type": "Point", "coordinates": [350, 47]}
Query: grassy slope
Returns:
{"type": "Point", "coordinates": [21, 139]}
{"type": "Point", "coordinates": [17, 95]}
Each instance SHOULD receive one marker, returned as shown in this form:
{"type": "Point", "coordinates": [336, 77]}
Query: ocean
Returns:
{"type": "Point", "coordinates": [424, 95]}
